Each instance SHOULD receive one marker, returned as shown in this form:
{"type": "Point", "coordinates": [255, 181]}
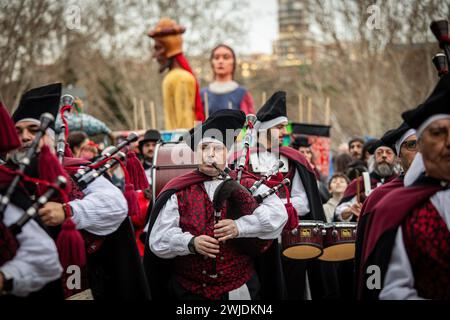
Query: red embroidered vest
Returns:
{"type": "Point", "coordinates": [234, 268]}
{"type": "Point", "coordinates": [427, 241]}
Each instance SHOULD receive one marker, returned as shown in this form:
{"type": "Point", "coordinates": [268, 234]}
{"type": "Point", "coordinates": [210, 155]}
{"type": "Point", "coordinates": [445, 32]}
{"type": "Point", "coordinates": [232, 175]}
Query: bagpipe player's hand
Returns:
{"type": "Point", "coordinates": [225, 230]}
{"type": "Point", "coordinates": [52, 214]}
{"type": "Point", "coordinates": [207, 246]}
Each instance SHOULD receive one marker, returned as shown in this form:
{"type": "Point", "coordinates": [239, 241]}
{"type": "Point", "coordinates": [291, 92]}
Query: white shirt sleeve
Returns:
{"type": "Point", "coordinates": [102, 209]}
{"type": "Point", "coordinates": [299, 198]}
{"type": "Point", "coordinates": [267, 221]}
{"type": "Point", "coordinates": [36, 262]}
{"type": "Point", "coordinates": [342, 207]}
{"type": "Point", "coordinates": [167, 240]}
{"type": "Point", "coordinates": [399, 280]}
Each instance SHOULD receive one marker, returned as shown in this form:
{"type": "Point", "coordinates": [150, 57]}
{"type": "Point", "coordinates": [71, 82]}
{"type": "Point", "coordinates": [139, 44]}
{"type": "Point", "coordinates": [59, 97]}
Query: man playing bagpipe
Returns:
{"type": "Point", "coordinates": [302, 198]}
{"type": "Point", "coordinates": [206, 229]}
{"type": "Point", "coordinates": [408, 239]}
{"type": "Point", "coordinates": [29, 259]}
{"type": "Point", "coordinates": [110, 267]}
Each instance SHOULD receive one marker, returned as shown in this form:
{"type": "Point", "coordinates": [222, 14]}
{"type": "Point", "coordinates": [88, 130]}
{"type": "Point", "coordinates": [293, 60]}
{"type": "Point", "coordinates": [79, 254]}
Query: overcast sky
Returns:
{"type": "Point", "coordinates": [263, 26]}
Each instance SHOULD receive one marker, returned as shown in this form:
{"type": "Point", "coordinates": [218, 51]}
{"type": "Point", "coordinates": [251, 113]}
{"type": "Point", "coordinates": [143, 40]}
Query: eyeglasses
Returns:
{"type": "Point", "coordinates": [410, 145]}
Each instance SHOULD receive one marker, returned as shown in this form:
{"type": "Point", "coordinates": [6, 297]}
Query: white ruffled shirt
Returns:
{"type": "Point", "coordinates": [102, 209]}
{"type": "Point", "coordinates": [167, 239]}
{"type": "Point", "coordinates": [36, 262]}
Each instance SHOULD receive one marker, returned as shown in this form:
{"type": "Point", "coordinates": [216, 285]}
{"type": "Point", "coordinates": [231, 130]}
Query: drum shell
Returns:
{"type": "Point", "coordinates": [170, 160]}
{"type": "Point", "coordinates": [305, 242]}
{"type": "Point", "coordinates": [339, 241]}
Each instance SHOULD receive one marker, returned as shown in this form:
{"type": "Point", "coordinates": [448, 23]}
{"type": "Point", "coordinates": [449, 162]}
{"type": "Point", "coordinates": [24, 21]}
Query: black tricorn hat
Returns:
{"type": "Point", "coordinates": [223, 125]}
{"type": "Point", "coordinates": [37, 101]}
{"type": "Point", "coordinates": [274, 108]}
{"type": "Point", "coordinates": [391, 137]}
{"type": "Point", "coordinates": [437, 103]}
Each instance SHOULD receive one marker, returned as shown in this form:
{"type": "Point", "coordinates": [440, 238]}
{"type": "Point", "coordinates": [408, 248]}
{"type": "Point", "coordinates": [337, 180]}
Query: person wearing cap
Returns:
{"type": "Point", "coordinates": [404, 141]}
{"type": "Point", "coordinates": [303, 195]}
{"type": "Point", "coordinates": [383, 172]}
{"type": "Point", "coordinates": [181, 95]}
{"type": "Point", "coordinates": [184, 237]}
{"type": "Point", "coordinates": [100, 210]}
{"type": "Point", "coordinates": [29, 261]}
{"type": "Point", "coordinates": [224, 92]}
{"type": "Point", "coordinates": [147, 148]}
{"type": "Point", "coordinates": [410, 238]}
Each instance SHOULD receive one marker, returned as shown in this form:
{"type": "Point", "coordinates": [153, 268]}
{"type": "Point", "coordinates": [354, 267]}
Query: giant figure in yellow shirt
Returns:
{"type": "Point", "coordinates": [181, 97]}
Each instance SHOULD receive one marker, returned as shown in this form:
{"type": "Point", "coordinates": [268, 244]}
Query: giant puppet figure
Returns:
{"type": "Point", "coordinates": [181, 95]}
{"type": "Point", "coordinates": [224, 92]}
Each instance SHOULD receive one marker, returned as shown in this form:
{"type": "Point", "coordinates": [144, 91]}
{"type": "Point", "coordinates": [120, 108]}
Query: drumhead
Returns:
{"type": "Point", "coordinates": [339, 252]}
{"type": "Point", "coordinates": [302, 252]}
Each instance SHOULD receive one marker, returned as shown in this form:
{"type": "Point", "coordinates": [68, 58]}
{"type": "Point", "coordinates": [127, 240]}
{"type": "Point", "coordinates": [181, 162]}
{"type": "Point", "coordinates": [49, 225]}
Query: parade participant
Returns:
{"type": "Point", "coordinates": [224, 92]}
{"type": "Point", "coordinates": [29, 260]}
{"type": "Point", "coordinates": [413, 261]}
{"type": "Point", "coordinates": [147, 148]}
{"type": "Point", "coordinates": [404, 142]}
{"type": "Point", "coordinates": [205, 256]}
{"type": "Point", "coordinates": [181, 95]}
{"type": "Point", "coordinates": [304, 195]}
{"type": "Point", "coordinates": [76, 140]}
{"type": "Point", "coordinates": [384, 171]}
{"type": "Point", "coordinates": [99, 210]}
{"type": "Point", "coordinates": [89, 151]}
{"type": "Point", "coordinates": [355, 146]}
{"type": "Point", "coordinates": [336, 186]}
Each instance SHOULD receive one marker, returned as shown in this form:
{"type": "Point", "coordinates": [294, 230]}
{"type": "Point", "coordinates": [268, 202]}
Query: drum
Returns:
{"type": "Point", "coordinates": [170, 160]}
{"type": "Point", "coordinates": [339, 241]}
{"type": "Point", "coordinates": [304, 242]}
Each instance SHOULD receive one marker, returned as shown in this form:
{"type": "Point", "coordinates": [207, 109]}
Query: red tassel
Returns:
{"type": "Point", "coordinates": [70, 245]}
{"type": "Point", "coordinates": [292, 222]}
{"type": "Point", "coordinates": [132, 200]}
{"type": "Point", "coordinates": [50, 168]}
{"type": "Point", "coordinates": [136, 172]}
{"type": "Point", "coordinates": [9, 140]}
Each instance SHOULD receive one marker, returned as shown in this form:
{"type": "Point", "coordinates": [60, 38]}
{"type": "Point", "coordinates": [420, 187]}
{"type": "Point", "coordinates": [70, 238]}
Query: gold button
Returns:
{"type": "Point", "coordinates": [204, 272]}
{"type": "Point", "coordinates": [204, 285]}
{"type": "Point", "coordinates": [222, 258]}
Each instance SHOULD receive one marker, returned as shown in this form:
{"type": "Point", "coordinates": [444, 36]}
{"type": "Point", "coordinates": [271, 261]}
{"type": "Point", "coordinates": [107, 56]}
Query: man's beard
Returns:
{"type": "Point", "coordinates": [384, 169]}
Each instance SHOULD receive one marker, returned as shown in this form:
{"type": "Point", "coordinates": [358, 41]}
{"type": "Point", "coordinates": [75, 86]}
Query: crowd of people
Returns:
{"type": "Point", "coordinates": [254, 220]}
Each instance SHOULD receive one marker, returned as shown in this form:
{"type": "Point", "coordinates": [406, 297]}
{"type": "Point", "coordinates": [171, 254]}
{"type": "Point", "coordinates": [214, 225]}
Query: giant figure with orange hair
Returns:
{"type": "Point", "coordinates": [181, 97]}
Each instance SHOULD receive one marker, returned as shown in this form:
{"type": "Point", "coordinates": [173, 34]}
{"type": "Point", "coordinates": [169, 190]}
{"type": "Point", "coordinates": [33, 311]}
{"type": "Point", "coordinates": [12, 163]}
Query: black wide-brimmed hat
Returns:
{"type": "Point", "coordinates": [37, 101]}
